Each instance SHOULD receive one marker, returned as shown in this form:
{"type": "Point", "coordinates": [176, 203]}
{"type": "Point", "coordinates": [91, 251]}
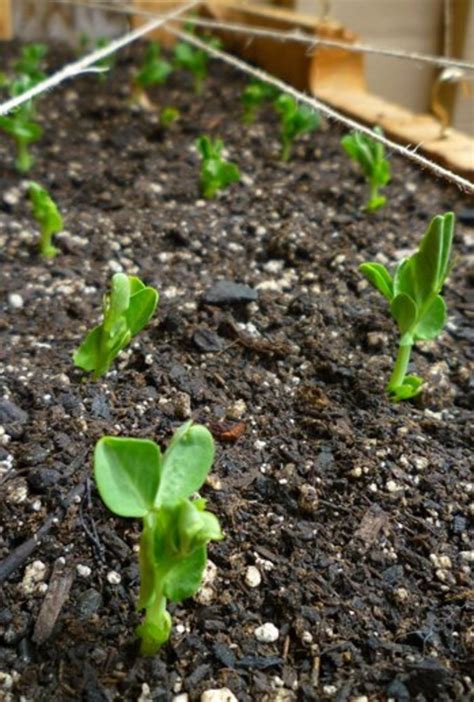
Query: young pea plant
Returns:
{"type": "Point", "coordinates": [168, 116]}
{"type": "Point", "coordinates": [29, 63]}
{"type": "Point", "coordinates": [127, 309]}
{"type": "Point", "coordinates": [254, 96]}
{"type": "Point", "coordinates": [195, 60]}
{"type": "Point", "coordinates": [413, 295]}
{"type": "Point", "coordinates": [135, 479]}
{"type": "Point", "coordinates": [216, 173]}
{"type": "Point", "coordinates": [47, 216]}
{"type": "Point", "coordinates": [21, 125]}
{"type": "Point", "coordinates": [295, 120]}
{"type": "Point", "coordinates": [154, 69]}
{"type": "Point", "coordinates": [370, 155]}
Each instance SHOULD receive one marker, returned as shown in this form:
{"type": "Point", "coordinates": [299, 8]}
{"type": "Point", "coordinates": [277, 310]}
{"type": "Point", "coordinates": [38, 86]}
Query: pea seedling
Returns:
{"type": "Point", "coordinates": [294, 120]}
{"type": "Point", "coordinates": [253, 97]}
{"type": "Point", "coordinates": [135, 479]}
{"type": "Point", "coordinates": [127, 309]}
{"type": "Point", "coordinates": [21, 125]}
{"type": "Point", "coordinates": [195, 60]}
{"type": "Point", "coordinates": [29, 63]}
{"type": "Point", "coordinates": [47, 216]}
{"type": "Point", "coordinates": [168, 116]}
{"type": "Point", "coordinates": [216, 173]}
{"type": "Point", "coordinates": [155, 69]}
{"type": "Point", "coordinates": [415, 302]}
{"type": "Point", "coordinates": [370, 155]}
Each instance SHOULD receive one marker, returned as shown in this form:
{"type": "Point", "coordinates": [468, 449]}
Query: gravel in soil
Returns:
{"type": "Point", "coordinates": [346, 569]}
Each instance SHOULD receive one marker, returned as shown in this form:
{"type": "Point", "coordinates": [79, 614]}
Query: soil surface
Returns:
{"type": "Point", "coordinates": [346, 516]}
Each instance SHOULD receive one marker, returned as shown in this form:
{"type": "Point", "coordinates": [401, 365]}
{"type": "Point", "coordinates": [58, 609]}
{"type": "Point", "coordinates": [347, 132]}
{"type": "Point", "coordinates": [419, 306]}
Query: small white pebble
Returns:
{"type": "Point", "coordinates": [15, 301]}
{"type": "Point", "coordinates": [392, 486]}
{"type": "Point", "coordinates": [114, 578]}
{"type": "Point", "coordinates": [467, 556]}
{"type": "Point", "coordinates": [267, 633]}
{"type": "Point", "coordinates": [253, 577]}
{"type": "Point", "coordinates": [35, 573]}
{"type": "Point", "coordinates": [259, 445]}
{"type": "Point", "coordinates": [84, 571]}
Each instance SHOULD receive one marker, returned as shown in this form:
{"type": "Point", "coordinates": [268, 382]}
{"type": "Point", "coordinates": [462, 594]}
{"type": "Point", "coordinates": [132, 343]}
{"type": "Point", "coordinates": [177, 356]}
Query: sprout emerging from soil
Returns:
{"type": "Point", "coordinates": [295, 120]}
{"type": "Point", "coordinates": [370, 155]}
{"type": "Point", "coordinates": [47, 216]}
{"type": "Point", "coordinates": [168, 116]}
{"type": "Point", "coordinates": [195, 60]}
{"type": "Point", "coordinates": [415, 302]}
{"type": "Point", "coordinates": [21, 125]}
{"type": "Point", "coordinates": [255, 94]}
{"type": "Point", "coordinates": [29, 63]}
{"type": "Point", "coordinates": [127, 309]}
{"type": "Point", "coordinates": [135, 479]}
{"type": "Point", "coordinates": [216, 173]}
{"type": "Point", "coordinates": [155, 69]}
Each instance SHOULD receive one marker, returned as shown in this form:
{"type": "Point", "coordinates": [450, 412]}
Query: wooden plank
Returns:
{"type": "Point", "coordinates": [5, 20]}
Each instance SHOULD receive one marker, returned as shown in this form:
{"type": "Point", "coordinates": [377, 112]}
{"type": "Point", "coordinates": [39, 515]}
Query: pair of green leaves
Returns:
{"type": "Point", "coordinates": [195, 60]}
{"type": "Point", "coordinates": [135, 479]}
{"type": "Point", "coordinates": [48, 217]}
{"type": "Point", "coordinates": [370, 155]}
{"type": "Point", "coordinates": [413, 295]}
{"type": "Point", "coordinates": [295, 120]}
{"type": "Point", "coordinates": [155, 69]}
{"type": "Point", "coordinates": [216, 173]}
{"type": "Point", "coordinates": [254, 96]}
{"type": "Point", "coordinates": [127, 309]}
{"type": "Point", "coordinates": [29, 63]}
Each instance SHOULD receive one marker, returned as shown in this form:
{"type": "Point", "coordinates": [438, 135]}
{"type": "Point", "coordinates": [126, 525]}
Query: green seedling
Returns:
{"type": "Point", "coordinates": [254, 96]}
{"type": "Point", "coordinates": [413, 295]}
{"type": "Point", "coordinates": [127, 309]}
{"type": "Point", "coordinates": [47, 216]}
{"type": "Point", "coordinates": [370, 155]}
{"type": "Point", "coordinates": [29, 63]}
{"type": "Point", "coordinates": [135, 479]}
{"type": "Point", "coordinates": [155, 69]}
{"type": "Point", "coordinates": [295, 120]}
{"type": "Point", "coordinates": [195, 60]}
{"type": "Point", "coordinates": [21, 125]}
{"type": "Point", "coordinates": [216, 174]}
{"type": "Point", "coordinates": [168, 116]}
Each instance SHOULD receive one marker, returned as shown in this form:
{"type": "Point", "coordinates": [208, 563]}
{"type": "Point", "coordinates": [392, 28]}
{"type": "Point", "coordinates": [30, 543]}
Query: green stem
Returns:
{"type": "Point", "coordinates": [46, 247]}
{"type": "Point", "coordinates": [285, 149]}
{"type": "Point", "coordinates": [401, 365]}
{"type": "Point", "coordinates": [24, 160]}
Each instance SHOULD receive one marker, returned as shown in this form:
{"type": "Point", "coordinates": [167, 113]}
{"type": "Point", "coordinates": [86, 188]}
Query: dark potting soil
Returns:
{"type": "Point", "coordinates": [346, 516]}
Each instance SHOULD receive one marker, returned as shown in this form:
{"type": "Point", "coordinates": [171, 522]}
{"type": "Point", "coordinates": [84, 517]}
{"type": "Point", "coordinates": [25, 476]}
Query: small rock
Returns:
{"type": "Point", "coordinates": [226, 293]}
{"type": "Point", "coordinates": [267, 633]}
{"type": "Point", "coordinates": [89, 602]}
{"type": "Point", "coordinates": [114, 578]}
{"type": "Point", "coordinates": [466, 216]}
{"type": "Point", "coordinates": [100, 407]}
{"type": "Point", "coordinates": [35, 574]}
{"type": "Point", "coordinates": [43, 478]}
{"type": "Point", "coordinates": [15, 301]}
{"type": "Point", "coordinates": [207, 341]}
{"type": "Point", "coordinates": [206, 593]}
{"type": "Point", "coordinates": [11, 413]}
{"type": "Point", "coordinates": [182, 405]}
{"type": "Point", "coordinates": [236, 410]}
{"type": "Point", "coordinates": [183, 697]}
{"type": "Point", "coordinates": [222, 694]}
{"type": "Point", "coordinates": [253, 577]}
{"type": "Point", "coordinates": [83, 571]}
{"type": "Point", "coordinates": [308, 499]}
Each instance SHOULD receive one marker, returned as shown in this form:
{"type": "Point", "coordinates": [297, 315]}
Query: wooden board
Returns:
{"type": "Point", "coordinates": [5, 20]}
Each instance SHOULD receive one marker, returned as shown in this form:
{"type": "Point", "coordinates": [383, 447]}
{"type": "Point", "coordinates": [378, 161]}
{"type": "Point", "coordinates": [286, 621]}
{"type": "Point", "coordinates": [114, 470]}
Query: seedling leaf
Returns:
{"type": "Point", "coordinates": [370, 156]}
{"type": "Point", "coordinates": [186, 464]}
{"type": "Point", "coordinates": [127, 473]}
